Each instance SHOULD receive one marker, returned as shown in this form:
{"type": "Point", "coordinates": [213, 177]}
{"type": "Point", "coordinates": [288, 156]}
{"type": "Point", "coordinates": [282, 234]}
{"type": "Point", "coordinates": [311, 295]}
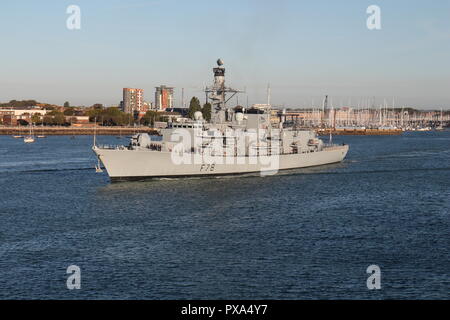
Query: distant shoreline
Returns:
{"type": "Point", "coordinates": [360, 132]}
{"type": "Point", "coordinates": [71, 131]}
{"type": "Point", "coordinates": [119, 131]}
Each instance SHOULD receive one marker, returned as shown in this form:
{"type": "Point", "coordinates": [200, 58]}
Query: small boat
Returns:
{"type": "Point", "coordinates": [41, 136]}
{"type": "Point", "coordinates": [29, 138]}
{"type": "Point", "coordinates": [18, 137]}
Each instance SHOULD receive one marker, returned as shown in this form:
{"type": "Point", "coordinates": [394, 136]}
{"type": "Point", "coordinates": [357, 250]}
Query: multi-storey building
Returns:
{"type": "Point", "coordinates": [163, 98]}
{"type": "Point", "coordinates": [133, 100]}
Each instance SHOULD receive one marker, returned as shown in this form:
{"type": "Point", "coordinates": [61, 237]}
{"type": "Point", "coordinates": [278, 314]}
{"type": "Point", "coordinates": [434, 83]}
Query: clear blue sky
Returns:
{"type": "Point", "coordinates": [304, 49]}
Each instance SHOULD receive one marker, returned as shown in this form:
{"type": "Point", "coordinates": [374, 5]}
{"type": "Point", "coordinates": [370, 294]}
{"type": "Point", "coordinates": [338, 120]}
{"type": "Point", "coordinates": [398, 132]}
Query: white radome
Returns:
{"type": "Point", "coordinates": [198, 115]}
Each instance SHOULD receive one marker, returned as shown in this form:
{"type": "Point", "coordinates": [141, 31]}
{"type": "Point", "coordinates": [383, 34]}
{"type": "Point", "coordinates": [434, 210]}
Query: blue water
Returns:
{"type": "Point", "coordinates": [305, 234]}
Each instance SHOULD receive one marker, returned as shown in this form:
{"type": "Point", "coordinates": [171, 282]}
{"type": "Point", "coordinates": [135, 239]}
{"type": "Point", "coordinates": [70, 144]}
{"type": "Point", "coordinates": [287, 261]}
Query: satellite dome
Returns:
{"type": "Point", "coordinates": [220, 62]}
{"type": "Point", "coordinates": [198, 115]}
{"type": "Point", "coordinates": [239, 116]}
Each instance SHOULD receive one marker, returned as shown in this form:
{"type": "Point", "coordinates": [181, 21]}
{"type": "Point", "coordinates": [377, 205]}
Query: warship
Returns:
{"type": "Point", "coordinates": [234, 141]}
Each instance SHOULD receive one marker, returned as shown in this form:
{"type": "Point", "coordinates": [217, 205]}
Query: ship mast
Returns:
{"type": "Point", "coordinates": [216, 94]}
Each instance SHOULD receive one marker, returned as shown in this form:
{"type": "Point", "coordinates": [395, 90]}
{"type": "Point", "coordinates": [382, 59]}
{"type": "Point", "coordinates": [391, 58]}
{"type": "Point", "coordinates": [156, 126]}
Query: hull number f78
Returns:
{"type": "Point", "coordinates": [208, 167]}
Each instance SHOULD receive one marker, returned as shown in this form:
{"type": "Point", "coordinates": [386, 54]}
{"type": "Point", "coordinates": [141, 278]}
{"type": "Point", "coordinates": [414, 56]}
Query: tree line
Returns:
{"type": "Point", "coordinates": [109, 116]}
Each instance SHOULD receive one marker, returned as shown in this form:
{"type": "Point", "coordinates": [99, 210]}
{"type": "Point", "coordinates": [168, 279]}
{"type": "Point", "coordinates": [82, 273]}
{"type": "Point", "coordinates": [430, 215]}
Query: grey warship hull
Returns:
{"type": "Point", "coordinates": [123, 165]}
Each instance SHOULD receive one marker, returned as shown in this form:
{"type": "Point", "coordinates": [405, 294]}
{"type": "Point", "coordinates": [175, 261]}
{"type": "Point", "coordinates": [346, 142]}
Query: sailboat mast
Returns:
{"type": "Point", "coordinates": [95, 131]}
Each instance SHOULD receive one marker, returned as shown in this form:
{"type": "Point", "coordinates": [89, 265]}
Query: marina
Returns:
{"type": "Point", "coordinates": [359, 132]}
{"type": "Point", "coordinates": [366, 121]}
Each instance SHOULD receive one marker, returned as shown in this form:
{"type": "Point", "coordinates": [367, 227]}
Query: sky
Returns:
{"type": "Point", "coordinates": [303, 49]}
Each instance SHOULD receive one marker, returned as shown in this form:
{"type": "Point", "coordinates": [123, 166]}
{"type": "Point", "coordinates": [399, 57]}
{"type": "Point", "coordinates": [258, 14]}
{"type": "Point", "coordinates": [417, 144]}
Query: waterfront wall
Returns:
{"type": "Point", "coordinates": [75, 131]}
{"type": "Point", "coordinates": [360, 132]}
